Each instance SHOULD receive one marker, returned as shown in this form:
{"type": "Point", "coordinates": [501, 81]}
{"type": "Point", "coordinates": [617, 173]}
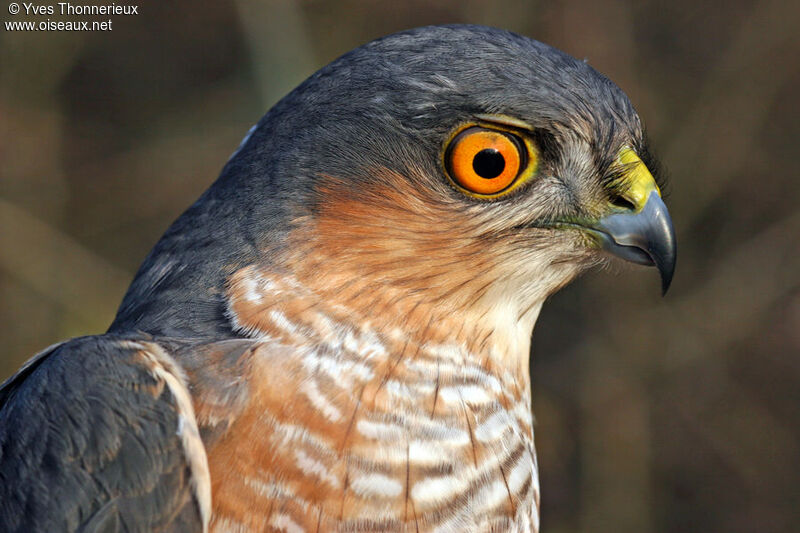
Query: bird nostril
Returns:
{"type": "Point", "coordinates": [617, 200]}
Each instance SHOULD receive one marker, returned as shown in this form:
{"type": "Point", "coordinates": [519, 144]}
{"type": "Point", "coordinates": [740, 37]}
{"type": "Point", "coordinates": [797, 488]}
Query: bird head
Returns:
{"type": "Point", "coordinates": [461, 168]}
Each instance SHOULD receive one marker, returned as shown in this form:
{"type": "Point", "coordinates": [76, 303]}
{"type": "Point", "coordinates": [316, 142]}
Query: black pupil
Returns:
{"type": "Point", "coordinates": [488, 163]}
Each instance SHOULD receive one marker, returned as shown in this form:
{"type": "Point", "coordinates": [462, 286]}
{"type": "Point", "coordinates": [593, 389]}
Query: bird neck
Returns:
{"type": "Point", "coordinates": [394, 408]}
{"type": "Point", "coordinates": [264, 303]}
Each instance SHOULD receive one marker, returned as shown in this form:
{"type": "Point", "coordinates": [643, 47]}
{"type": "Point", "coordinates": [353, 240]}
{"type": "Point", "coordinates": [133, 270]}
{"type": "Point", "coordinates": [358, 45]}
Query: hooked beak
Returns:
{"type": "Point", "coordinates": [643, 233]}
{"type": "Point", "coordinates": [646, 237]}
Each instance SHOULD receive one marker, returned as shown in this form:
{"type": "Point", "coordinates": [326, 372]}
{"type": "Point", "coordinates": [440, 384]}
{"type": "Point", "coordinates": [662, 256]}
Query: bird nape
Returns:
{"type": "Point", "coordinates": [335, 336]}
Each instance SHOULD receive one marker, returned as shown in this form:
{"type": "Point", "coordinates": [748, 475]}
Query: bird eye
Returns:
{"type": "Point", "coordinates": [485, 161]}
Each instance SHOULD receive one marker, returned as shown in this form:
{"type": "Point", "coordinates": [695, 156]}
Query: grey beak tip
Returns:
{"type": "Point", "coordinates": [646, 237]}
{"type": "Point", "coordinates": [666, 278]}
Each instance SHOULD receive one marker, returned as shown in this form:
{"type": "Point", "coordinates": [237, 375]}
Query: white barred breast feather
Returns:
{"type": "Point", "coordinates": [349, 429]}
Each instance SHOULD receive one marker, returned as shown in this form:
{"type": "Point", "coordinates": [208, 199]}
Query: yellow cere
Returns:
{"type": "Point", "coordinates": [637, 179]}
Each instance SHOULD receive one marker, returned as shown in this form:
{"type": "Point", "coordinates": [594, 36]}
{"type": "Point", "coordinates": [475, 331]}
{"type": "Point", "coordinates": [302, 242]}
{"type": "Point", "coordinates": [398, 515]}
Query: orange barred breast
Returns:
{"type": "Point", "coordinates": [333, 426]}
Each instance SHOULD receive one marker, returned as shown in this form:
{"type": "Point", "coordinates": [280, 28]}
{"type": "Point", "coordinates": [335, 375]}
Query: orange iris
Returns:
{"type": "Point", "coordinates": [485, 161]}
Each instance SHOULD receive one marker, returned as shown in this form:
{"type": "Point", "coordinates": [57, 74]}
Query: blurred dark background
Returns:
{"type": "Point", "coordinates": [669, 415]}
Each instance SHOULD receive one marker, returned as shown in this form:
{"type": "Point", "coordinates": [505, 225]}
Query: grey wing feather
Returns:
{"type": "Point", "coordinates": [90, 441]}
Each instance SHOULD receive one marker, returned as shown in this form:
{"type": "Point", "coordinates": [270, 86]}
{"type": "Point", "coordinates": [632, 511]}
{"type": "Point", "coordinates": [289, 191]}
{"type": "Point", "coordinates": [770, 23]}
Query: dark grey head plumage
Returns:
{"type": "Point", "coordinates": [388, 104]}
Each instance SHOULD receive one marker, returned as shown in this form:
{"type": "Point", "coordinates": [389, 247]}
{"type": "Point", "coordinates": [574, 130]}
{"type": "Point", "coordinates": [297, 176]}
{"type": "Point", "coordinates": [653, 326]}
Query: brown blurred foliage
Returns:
{"type": "Point", "coordinates": [676, 414]}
